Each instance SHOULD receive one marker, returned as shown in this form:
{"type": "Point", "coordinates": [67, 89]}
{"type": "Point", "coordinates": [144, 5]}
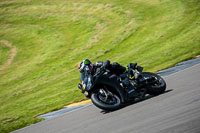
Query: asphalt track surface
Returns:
{"type": "Point", "coordinates": [176, 111]}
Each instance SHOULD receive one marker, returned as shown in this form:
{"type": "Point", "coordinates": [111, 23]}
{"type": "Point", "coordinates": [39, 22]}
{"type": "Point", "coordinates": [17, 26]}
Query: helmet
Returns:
{"type": "Point", "coordinates": [84, 63]}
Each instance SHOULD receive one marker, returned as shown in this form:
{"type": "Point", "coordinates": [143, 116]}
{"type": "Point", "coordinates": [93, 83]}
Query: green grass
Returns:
{"type": "Point", "coordinates": [52, 37]}
{"type": "Point", "coordinates": [4, 53]}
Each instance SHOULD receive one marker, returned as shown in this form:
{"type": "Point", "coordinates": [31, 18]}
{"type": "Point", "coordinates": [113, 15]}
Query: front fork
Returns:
{"type": "Point", "coordinates": [105, 93]}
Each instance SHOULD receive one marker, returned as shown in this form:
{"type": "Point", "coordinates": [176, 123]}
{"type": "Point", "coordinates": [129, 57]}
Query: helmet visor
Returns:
{"type": "Point", "coordinates": [87, 62]}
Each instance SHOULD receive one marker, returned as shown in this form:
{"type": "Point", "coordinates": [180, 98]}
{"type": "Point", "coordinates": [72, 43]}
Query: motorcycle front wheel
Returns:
{"type": "Point", "coordinates": [106, 100]}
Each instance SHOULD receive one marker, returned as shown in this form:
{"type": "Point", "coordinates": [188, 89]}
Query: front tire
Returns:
{"type": "Point", "coordinates": [113, 104]}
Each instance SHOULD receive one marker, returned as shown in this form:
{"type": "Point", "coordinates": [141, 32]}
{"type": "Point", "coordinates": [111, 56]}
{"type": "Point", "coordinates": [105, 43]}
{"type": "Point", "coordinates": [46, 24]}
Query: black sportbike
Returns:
{"type": "Point", "coordinates": [109, 91]}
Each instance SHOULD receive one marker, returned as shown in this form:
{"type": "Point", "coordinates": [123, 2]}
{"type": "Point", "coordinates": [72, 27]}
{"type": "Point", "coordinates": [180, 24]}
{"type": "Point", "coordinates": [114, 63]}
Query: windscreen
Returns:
{"type": "Point", "coordinates": [86, 80]}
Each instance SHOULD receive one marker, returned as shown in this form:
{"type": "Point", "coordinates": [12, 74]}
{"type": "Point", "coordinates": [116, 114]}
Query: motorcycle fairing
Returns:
{"type": "Point", "coordinates": [105, 80]}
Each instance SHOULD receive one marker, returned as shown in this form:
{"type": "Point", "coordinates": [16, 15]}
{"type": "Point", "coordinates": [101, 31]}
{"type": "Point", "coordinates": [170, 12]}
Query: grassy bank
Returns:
{"type": "Point", "coordinates": [51, 38]}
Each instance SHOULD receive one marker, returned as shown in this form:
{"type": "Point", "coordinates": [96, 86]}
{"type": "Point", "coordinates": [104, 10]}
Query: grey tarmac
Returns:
{"type": "Point", "coordinates": [176, 111]}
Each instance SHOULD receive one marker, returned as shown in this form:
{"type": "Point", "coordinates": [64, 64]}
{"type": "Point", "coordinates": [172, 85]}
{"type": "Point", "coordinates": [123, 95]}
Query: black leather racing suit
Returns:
{"type": "Point", "coordinates": [115, 67]}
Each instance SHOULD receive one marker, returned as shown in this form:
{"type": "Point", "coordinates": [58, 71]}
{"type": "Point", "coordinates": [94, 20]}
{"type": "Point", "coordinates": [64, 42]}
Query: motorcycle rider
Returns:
{"type": "Point", "coordinates": [114, 68]}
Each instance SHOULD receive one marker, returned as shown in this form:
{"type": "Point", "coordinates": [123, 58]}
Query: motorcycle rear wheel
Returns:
{"type": "Point", "coordinates": [158, 87]}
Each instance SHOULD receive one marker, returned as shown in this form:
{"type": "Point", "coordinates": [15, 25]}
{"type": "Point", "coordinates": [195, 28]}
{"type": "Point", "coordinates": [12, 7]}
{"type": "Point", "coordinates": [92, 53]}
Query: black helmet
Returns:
{"type": "Point", "coordinates": [84, 63]}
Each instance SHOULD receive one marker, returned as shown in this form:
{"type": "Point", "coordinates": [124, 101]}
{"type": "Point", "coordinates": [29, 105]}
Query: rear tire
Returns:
{"type": "Point", "coordinates": [156, 89]}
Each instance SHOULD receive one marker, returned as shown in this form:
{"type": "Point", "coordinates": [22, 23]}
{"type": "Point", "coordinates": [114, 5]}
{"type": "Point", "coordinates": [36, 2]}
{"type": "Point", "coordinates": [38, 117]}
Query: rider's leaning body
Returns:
{"type": "Point", "coordinates": [114, 68]}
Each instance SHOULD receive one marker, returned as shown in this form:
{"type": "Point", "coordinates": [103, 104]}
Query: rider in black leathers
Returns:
{"type": "Point", "coordinates": [114, 68]}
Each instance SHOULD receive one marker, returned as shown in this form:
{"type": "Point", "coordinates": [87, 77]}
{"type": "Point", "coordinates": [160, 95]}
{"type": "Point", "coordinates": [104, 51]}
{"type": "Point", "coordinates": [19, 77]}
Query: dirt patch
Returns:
{"type": "Point", "coordinates": [7, 2]}
{"type": "Point", "coordinates": [22, 91]}
{"type": "Point", "coordinates": [95, 38]}
{"type": "Point", "coordinates": [128, 13]}
{"type": "Point", "coordinates": [108, 6]}
{"type": "Point", "coordinates": [13, 53]}
{"type": "Point", "coordinates": [6, 43]}
{"type": "Point", "coordinates": [128, 26]}
{"type": "Point", "coordinates": [99, 25]}
{"type": "Point", "coordinates": [5, 25]}
{"type": "Point", "coordinates": [131, 22]}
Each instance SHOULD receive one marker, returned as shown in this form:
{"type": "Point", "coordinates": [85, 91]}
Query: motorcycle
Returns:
{"type": "Point", "coordinates": [109, 91]}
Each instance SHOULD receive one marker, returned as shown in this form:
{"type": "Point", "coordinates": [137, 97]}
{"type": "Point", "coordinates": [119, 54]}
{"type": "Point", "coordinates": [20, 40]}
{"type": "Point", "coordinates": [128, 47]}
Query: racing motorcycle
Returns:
{"type": "Point", "coordinates": [109, 91]}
